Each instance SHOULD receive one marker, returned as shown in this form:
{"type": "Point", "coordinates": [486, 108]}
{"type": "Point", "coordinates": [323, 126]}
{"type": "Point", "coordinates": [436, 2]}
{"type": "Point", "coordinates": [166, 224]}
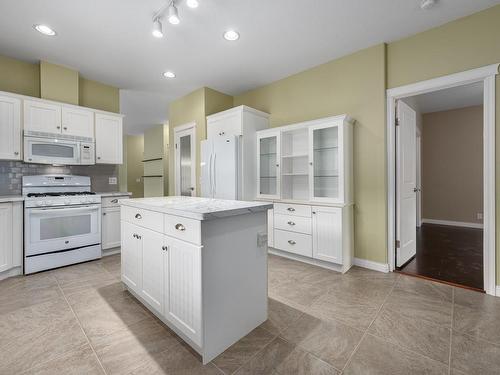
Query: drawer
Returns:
{"type": "Point", "coordinates": [112, 201]}
{"type": "Point", "coordinates": [292, 223]}
{"type": "Point", "coordinates": [292, 209]}
{"type": "Point", "coordinates": [297, 243]}
{"type": "Point", "coordinates": [182, 228]}
{"type": "Point", "coordinates": [144, 218]}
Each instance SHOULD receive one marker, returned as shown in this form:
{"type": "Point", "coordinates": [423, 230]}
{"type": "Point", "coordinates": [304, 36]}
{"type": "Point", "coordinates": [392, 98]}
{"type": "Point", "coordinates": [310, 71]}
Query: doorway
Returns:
{"type": "Point", "coordinates": [407, 194]}
{"type": "Point", "coordinates": [185, 160]}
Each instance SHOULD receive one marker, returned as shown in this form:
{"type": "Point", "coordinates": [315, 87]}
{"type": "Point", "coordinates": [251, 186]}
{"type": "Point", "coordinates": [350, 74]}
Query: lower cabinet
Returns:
{"type": "Point", "coordinates": [327, 234]}
{"type": "Point", "coordinates": [11, 239]}
{"type": "Point", "coordinates": [110, 227]}
{"type": "Point", "coordinates": [131, 256]}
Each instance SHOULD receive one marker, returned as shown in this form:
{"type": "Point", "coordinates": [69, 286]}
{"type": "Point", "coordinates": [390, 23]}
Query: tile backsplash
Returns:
{"type": "Point", "coordinates": [11, 173]}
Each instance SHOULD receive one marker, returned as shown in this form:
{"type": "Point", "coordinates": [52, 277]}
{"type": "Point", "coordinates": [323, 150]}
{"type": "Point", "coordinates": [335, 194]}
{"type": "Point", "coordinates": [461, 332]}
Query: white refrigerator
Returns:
{"type": "Point", "coordinates": [220, 168]}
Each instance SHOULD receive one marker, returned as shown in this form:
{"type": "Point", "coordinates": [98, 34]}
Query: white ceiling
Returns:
{"type": "Point", "coordinates": [110, 41]}
{"type": "Point", "coordinates": [445, 100]}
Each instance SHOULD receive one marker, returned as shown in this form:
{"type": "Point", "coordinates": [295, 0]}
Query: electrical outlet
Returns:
{"type": "Point", "coordinates": [113, 180]}
{"type": "Point", "coordinates": [480, 216]}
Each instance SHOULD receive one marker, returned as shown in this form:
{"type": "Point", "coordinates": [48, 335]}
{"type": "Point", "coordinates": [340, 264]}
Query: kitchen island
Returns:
{"type": "Point", "coordinates": [200, 265]}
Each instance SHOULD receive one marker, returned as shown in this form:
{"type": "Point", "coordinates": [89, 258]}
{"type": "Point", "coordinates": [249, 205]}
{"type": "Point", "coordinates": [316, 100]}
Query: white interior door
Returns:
{"type": "Point", "coordinates": [185, 160]}
{"type": "Point", "coordinates": [406, 184]}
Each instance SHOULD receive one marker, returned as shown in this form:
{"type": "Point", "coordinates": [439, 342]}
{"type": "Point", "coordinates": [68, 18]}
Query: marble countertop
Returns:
{"type": "Point", "coordinates": [113, 194]}
{"type": "Point", "coordinates": [11, 198]}
{"type": "Point", "coordinates": [197, 208]}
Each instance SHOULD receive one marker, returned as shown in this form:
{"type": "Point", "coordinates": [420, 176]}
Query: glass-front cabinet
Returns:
{"type": "Point", "coordinates": [268, 164]}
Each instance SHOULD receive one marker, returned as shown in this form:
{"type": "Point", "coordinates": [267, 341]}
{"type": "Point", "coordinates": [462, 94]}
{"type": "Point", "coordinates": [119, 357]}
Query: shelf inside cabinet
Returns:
{"type": "Point", "coordinates": [295, 174]}
{"type": "Point", "coordinates": [295, 156]}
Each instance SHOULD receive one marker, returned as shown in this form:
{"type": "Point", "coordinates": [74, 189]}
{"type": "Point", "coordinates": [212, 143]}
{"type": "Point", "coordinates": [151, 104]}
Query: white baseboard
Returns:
{"type": "Point", "coordinates": [497, 291]}
{"type": "Point", "coordinates": [375, 266]}
{"type": "Point", "coordinates": [453, 223]}
{"type": "Point", "coordinates": [10, 273]}
{"type": "Point", "coordinates": [108, 252]}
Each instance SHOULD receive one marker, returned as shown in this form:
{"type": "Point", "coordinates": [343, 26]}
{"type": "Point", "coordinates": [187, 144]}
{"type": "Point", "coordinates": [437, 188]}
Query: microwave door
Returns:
{"type": "Point", "coordinates": [51, 151]}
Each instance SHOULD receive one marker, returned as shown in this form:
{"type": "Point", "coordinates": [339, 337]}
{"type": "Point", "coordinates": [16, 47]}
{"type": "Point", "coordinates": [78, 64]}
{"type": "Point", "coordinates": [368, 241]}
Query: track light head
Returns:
{"type": "Point", "coordinates": [192, 3]}
{"type": "Point", "coordinates": [173, 14]}
{"type": "Point", "coordinates": [157, 29]}
{"type": "Point", "coordinates": [427, 4]}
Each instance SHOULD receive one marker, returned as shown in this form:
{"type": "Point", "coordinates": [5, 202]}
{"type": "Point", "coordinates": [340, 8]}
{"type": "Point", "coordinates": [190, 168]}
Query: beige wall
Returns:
{"type": "Point", "coordinates": [19, 77]}
{"type": "Point", "coordinates": [97, 95]}
{"type": "Point", "coordinates": [452, 165]}
{"type": "Point", "coordinates": [135, 150]}
{"type": "Point", "coordinates": [58, 83]}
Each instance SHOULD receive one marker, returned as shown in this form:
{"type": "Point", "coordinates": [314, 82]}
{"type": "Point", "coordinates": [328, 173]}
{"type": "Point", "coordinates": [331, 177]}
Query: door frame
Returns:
{"type": "Point", "coordinates": [190, 128]}
{"type": "Point", "coordinates": [487, 75]}
{"type": "Point", "coordinates": [419, 177]}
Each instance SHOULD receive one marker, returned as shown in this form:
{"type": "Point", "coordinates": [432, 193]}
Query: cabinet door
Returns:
{"type": "Point", "coordinates": [108, 139]}
{"type": "Point", "coordinates": [268, 167]}
{"type": "Point", "coordinates": [152, 286]}
{"type": "Point", "coordinates": [228, 125]}
{"type": "Point", "coordinates": [78, 122]}
{"type": "Point", "coordinates": [10, 128]}
{"type": "Point", "coordinates": [183, 287]}
{"type": "Point", "coordinates": [110, 227]}
{"type": "Point", "coordinates": [42, 117]}
{"type": "Point", "coordinates": [270, 228]}
{"type": "Point", "coordinates": [6, 260]}
{"type": "Point", "coordinates": [326, 163]}
{"type": "Point", "coordinates": [131, 256]}
{"type": "Point", "coordinates": [327, 234]}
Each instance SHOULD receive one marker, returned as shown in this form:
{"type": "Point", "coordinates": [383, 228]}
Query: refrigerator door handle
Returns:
{"type": "Point", "coordinates": [210, 173]}
{"type": "Point", "coordinates": [215, 176]}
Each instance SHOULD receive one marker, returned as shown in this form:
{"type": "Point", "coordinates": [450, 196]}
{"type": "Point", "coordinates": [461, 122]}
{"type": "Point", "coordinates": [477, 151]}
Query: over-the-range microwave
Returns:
{"type": "Point", "coordinates": [44, 148]}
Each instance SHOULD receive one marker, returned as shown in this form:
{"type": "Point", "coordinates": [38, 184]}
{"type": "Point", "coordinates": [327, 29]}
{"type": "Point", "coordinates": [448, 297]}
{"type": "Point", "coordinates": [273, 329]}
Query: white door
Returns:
{"type": "Point", "coordinates": [225, 168]}
{"type": "Point", "coordinates": [131, 256]}
{"type": "Point", "coordinates": [152, 264]}
{"type": "Point", "coordinates": [42, 117]}
{"type": "Point", "coordinates": [78, 122]}
{"type": "Point", "coordinates": [10, 128]}
{"type": "Point", "coordinates": [185, 160]}
{"type": "Point", "coordinates": [327, 234]}
{"type": "Point", "coordinates": [108, 139]}
{"type": "Point", "coordinates": [6, 252]}
{"type": "Point", "coordinates": [268, 165]}
{"type": "Point", "coordinates": [183, 287]}
{"type": "Point", "coordinates": [110, 228]}
{"type": "Point", "coordinates": [406, 184]}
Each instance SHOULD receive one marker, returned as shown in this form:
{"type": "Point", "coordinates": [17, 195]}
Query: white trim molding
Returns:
{"type": "Point", "coordinates": [453, 223]}
{"type": "Point", "coordinates": [497, 291]}
{"type": "Point", "coordinates": [371, 265]}
{"type": "Point", "coordinates": [486, 75]}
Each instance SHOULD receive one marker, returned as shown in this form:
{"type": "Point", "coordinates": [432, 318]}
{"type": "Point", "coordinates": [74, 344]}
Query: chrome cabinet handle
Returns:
{"type": "Point", "coordinates": [291, 223]}
{"type": "Point", "coordinates": [65, 128]}
{"type": "Point", "coordinates": [16, 153]}
{"type": "Point", "coordinates": [180, 227]}
{"type": "Point", "coordinates": [291, 209]}
{"type": "Point", "coordinates": [104, 214]}
{"type": "Point", "coordinates": [164, 248]}
{"type": "Point", "coordinates": [114, 201]}
{"type": "Point", "coordinates": [138, 216]}
{"type": "Point", "coordinates": [134, 235]}
{"type": "Point", "coordinates": [292, 242]}
{"type": "Point", "coordinates": [58, 127]}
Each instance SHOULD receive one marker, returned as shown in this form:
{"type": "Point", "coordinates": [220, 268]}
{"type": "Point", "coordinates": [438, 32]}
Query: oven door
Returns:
{"type": "Point", "coordinates": [53, 229]}
{"type": "Point", "coordinates": [51, 151]}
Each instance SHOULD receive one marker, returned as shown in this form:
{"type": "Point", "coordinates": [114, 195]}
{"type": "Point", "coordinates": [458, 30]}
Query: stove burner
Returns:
{"type": "Point", "coordinates": [60, 194]}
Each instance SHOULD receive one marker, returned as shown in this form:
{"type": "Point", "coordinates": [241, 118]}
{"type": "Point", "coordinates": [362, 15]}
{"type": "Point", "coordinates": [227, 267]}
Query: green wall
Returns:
{"type": "Point", "coordinates": [58, 83]}
{"type": "Point", "coordinates": [19, 77]}
{"type": "Point", "coordinates": [97, 95]}
{"type": "Point", "coordinates": [355, 85]}
{"type": "Point", "coordinates": [135, 150]}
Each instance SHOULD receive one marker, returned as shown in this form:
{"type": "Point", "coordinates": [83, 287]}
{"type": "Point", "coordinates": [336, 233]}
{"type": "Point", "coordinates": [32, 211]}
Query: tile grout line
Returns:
{"type": "Point", "coordinates": [81, 327]}
{"type": "Point", "coordinates": [368, 328]}
{"type": "Point", "coordinates": [451, 328]}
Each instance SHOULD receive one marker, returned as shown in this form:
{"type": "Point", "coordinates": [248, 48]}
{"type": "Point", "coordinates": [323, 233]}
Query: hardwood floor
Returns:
{"type": "Point", "coordinates": [450, 254]}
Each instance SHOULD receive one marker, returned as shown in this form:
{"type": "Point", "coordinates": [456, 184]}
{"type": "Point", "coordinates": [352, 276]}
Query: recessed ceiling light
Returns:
{"type": "Point", "coordinates": [169, 74]}
{"type": "Point", "coordinates": [45, 30]}
{"type": "Point", "coordinates": [192, 3]}
{"type": "Point", "coordinates": [427, 4]}
{"type": "Point", "coordinates": [173, 15]}
{"type": "Point", "coordinates": [157, 29]}
{"type": "Point", "coordinates": [231, 35]}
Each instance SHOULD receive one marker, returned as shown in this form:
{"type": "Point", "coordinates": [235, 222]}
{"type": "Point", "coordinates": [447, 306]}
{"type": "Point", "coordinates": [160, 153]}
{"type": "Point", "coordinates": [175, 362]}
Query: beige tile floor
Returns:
{"type": "Point", "coordinates": [80, 320]}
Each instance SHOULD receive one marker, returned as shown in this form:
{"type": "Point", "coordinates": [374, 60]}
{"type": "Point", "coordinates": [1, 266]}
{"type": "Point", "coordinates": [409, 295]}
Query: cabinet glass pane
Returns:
{"type": "Point", "coordinates": [268, 161]}
{"type": "Point", "coordinates": [326, 163]}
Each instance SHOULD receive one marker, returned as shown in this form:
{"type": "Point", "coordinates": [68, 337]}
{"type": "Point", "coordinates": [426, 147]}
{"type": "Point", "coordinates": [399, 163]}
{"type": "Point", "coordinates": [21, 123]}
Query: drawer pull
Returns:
{"type": "Point", "coordinates": [292, 242]}
{"type": "Point", "coordinates": [291, 209]}
{"type": "Point", "coordinates": [291, 223]}
{"type": "Point", "coordinates": [114, 200]}
{"type": "Point", "coordinates": [164, 248]}
{"type": "Point", "coordinates": [180, 227]}
{"type": "Point", "coordinates": [104, 214]}
{"type": "Point", "coordinates": [138, 216]}
{"type": "Point", "coordinates": [134, 235]}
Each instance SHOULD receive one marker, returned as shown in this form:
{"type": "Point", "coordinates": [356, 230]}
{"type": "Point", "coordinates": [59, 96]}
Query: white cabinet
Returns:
{"type": "Point", "coordinates": [11, 238]}
{"type": "Point", "coordinates": [131, 256]}
{"type": "Point", "coordinates": [40, 116]}
{"type": "Point", "coordinates": [10, 128]}
{"type": "Point", "coordinates": [224, 124]}
{"type": "Point", "coordinates": [268, 164]}
{"type": "Point", "coordinates": [183, 287]}
{"type": "Point", "coordinates": [77, 122]}
{"type": "Point", "coordinates": [327, 234]}
{"type": "Point", "coordinates": [153, 270]}
{"type": "Point", "coordinates": [109, 138]}
{"type": "Point", "coordinates": [110, 230]}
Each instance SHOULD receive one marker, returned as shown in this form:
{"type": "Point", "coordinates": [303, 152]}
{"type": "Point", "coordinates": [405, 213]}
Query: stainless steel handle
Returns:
{"type": "Point", "coordinates": [291, 223]}
{"type": "Point", "coordinates": [56, 211]}
{"type": "Point", "coordinates": [291, 209]}
{"type": "Point", "coordinates": [314, 212]}
{"type": "Point", "coordinates": [16, 153]}
{"type": "Point", "coordinates": [180, 227]}
{"type": "Point", "coordinates": [292, 242]}
{"type": "Point", "coordinates": [138, 216]}
{"type": "Point", "coordinates": [134, 235]}
{"type": "Point", "coordinates": [58, 127]}
{"type": "Point", "coordinates": [164, 248]}
{"type": "Point", "coordinates": [65, 128]}
{"type": "Point", "coordinates": [139, 237]}
{"type": "Point", "coordinates": [215, 174]}
{"type": "Point", "coordinates": [114, 200]}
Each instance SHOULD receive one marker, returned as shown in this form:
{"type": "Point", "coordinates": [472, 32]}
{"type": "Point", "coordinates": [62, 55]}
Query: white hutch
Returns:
{"type": "Point", "coordinates": [305, 169]}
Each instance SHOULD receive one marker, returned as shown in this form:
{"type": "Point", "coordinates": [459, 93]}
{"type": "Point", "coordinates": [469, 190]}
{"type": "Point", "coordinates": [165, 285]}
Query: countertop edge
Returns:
{"type": "Point", "coordinates": [114, 194]}
{"type": "Point", "coordinates": [11, 198]}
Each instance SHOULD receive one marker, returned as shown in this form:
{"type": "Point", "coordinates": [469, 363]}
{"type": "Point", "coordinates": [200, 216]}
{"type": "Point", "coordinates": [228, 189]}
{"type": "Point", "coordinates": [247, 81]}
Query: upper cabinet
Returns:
{"type": "Point", "coordinates": [78, 122]}
{"type": "Point", "coordinates": [10, 128]}
{"type": "Point", "coordinates": [307, 162]}
{"type": "Point", "coordinates": [40, 116]}
{"type": "Point", "coordinates": [108, 138]}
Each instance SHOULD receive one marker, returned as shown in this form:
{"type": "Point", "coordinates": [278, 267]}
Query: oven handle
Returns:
{"type": "Point", "coordinates": [59, 210]}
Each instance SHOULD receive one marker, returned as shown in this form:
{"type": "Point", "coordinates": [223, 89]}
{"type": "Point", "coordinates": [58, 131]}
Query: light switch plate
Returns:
{"type": "Point", "coordinates": [113, 180]}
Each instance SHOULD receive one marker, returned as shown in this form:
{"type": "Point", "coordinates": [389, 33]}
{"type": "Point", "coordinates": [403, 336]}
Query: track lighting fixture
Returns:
{"type": "Point", "coordinates": [173, 14]}
{"type": "Point", "coordinates": [192, 3]}
{"type": "Point", "coordinates": [157, 29]}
